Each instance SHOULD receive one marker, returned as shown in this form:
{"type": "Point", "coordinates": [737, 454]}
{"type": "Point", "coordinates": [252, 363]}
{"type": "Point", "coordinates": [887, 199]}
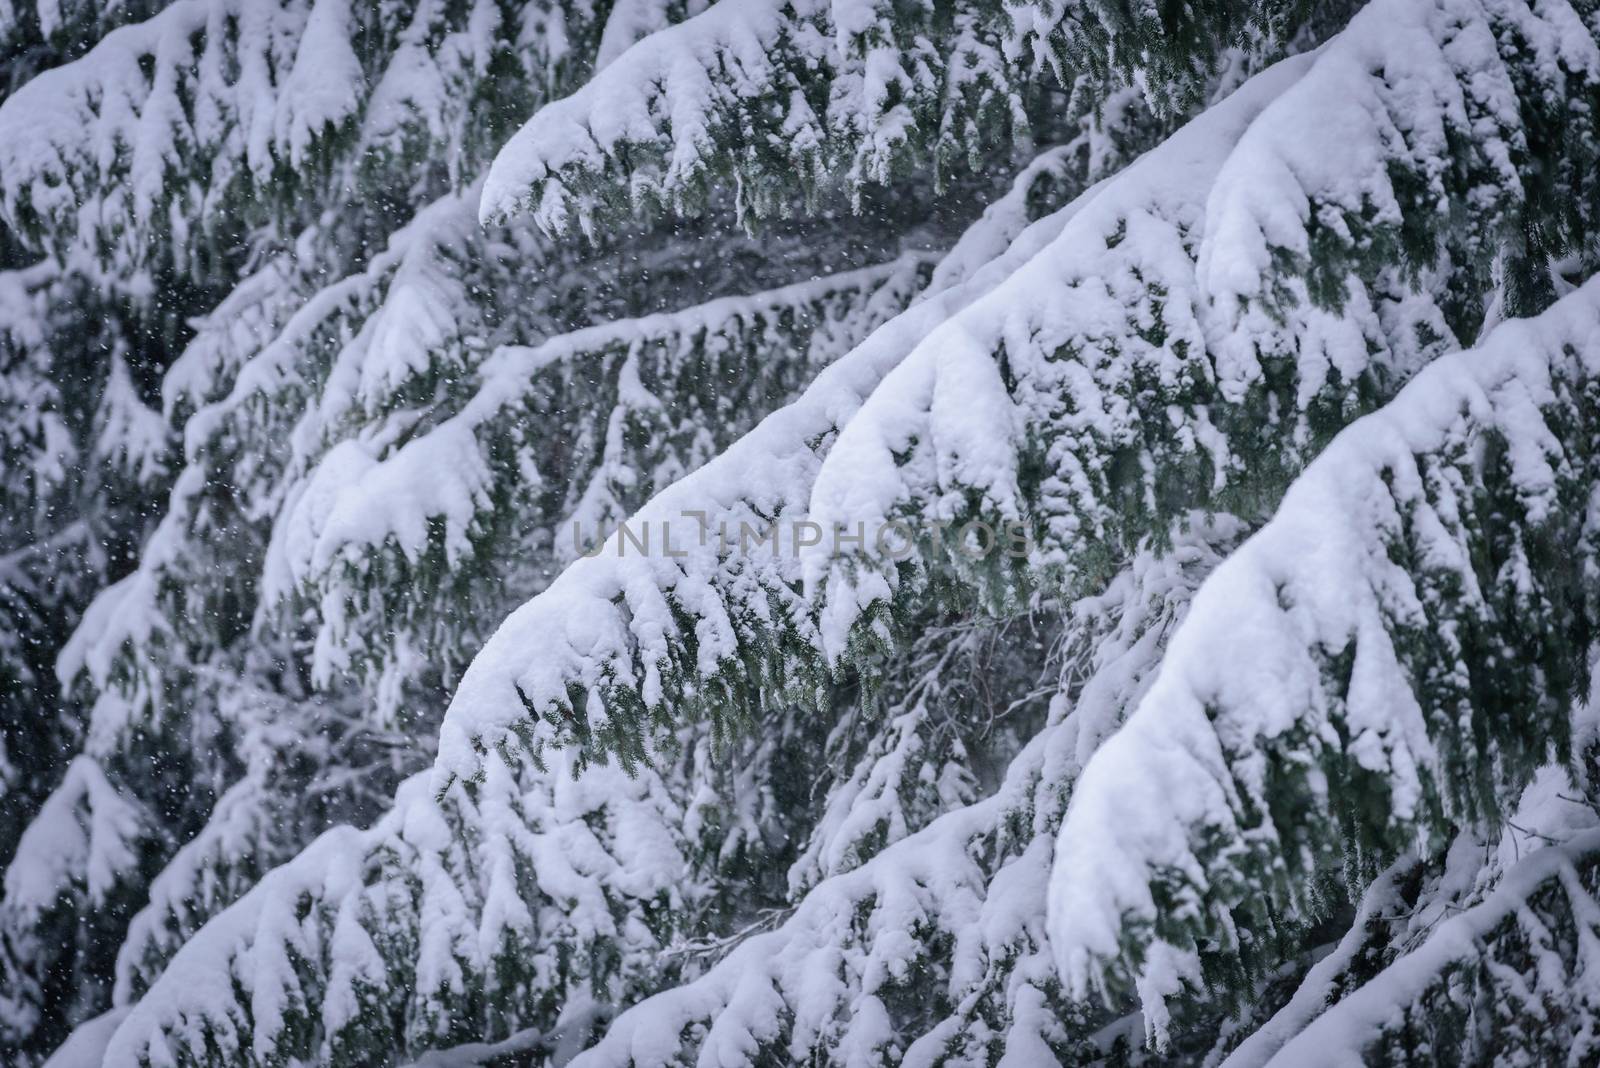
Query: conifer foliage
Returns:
{"type": "Point", "coordinates": [446, 453]}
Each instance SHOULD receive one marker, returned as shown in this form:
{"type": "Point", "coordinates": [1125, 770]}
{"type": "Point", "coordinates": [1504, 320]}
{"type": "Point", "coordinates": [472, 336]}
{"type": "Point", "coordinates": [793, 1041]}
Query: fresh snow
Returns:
{"type": "Point", "coordinates": [1247, 672]}
{"type": "Point", "coordinates": [1279, 745]}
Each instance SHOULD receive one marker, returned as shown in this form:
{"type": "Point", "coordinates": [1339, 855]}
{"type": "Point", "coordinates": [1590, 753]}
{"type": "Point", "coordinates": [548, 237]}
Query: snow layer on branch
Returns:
{"type": "Point", "coordinates": [211, 870]}
{"type": "Point", "coordinates": [625, 402]}
{"type": "Point", "coordinates": [36, 34]}
{"type": "Point", "coordinates": [444, 475]}
{"type": "Point", "coordinates": [787, 94]}
{"type": "Point", "coordinates": [1399, 629]}
{"type": "Point", "coordinates": [85, 834]}
{"type": "Point", "coordinates": [933, 951]}
{"type": "Point", "coordinates": [613, 626]}
{"type": "Point", "coordinates": [1237, 269]}
{"type": "Point", "coordinates": [77, 866]}
{"type": "Point", "coordinates": [70, 423]}
{"type": "Point", "coordinates": [38, 450]}
{"type": "Point", "coordinates": [87, 1045]}
{"type": "Point", "coordinates": [1522, 966]}
{"type": "Point", "coordinates": [1400, 910]}
{"type": "Point", "coordinates": [1007, 217]}
{"type": "Point", "coordinates": [211, 110]}
{"type": "Point", "coordinates": [239, 380]}
{"type": "Point", "coordinates": [662, 101]}
{"type": "Point", "coordinates": [441, 912]}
